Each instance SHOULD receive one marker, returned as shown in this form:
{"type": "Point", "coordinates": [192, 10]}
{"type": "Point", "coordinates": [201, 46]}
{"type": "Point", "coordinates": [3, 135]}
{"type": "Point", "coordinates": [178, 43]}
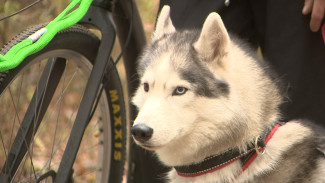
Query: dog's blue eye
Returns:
{"type": "Point", "coordinates": [146, 87]}
{"type": "Point", "coordinates": [179, 90]}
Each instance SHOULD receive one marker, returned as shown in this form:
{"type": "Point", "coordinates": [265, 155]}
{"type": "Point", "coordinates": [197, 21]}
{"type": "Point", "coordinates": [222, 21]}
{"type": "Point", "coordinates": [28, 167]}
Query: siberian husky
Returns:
{"type": "Point", "coordinates": [209, 108]}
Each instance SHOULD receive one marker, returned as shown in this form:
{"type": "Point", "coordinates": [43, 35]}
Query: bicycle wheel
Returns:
{"type": "Point", "coordinates": [102, 153]}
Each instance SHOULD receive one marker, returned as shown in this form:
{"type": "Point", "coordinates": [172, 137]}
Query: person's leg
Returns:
{"type": "Point", "coordinates": [298, 56]}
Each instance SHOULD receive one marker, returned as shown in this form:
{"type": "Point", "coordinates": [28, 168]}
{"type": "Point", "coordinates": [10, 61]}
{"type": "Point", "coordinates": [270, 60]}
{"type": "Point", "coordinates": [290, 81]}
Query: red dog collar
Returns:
{"type": "Point", "coordinates": [219, 161]}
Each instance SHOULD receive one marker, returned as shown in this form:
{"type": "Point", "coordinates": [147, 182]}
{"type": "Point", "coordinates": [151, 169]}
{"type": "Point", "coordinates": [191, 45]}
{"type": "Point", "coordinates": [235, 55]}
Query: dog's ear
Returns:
{"type": "Point", "coordinates": [164, 24]}
{"type": "Point", "coordinates": [214, 39]}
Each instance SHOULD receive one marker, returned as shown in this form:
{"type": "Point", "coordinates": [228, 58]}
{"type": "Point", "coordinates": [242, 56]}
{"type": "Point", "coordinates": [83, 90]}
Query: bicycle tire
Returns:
{"type": "Point", "coordinates": [79, 46]}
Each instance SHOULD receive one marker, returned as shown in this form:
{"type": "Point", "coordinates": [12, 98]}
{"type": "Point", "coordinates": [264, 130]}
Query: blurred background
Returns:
{"type": "Point", "coordinates": [47, 10]}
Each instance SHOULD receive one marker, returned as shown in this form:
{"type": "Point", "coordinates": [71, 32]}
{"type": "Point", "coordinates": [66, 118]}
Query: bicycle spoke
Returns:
{"type": "Point", "coordinates": [7, 166]}
{"type": "Point", "coordinates": [23, 165]}
{"type": "Point", "coordinates": [91, 131]}
{"type": "Point", "coordinates": [57, 119]}
{"type": "Point", "coordinates": [88, 148]}
{"type": "Point", "coordinates": [16, 116]}
{"type": "Point", "coordinates": [37, 112]}
{"type": "Point", "coordinates": [69, 123]}
{"type": "Point", "coordinates": [3, 145]}
{"type": "Point", "coordinates": [37, 109]}
{"type": "Point", "coordinates": [15, 107]}
{"type": "Point", "coordinates": [58, 101]}
{"type": "Point", "coordinates": [32, 166]}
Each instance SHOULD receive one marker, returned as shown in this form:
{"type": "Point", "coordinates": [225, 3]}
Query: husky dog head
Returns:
{"type": "Point", "coordinates": [200, 93]}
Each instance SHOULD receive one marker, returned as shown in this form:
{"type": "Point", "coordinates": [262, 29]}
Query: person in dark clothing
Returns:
{"type": "Point", "coordinates": [289, 36]}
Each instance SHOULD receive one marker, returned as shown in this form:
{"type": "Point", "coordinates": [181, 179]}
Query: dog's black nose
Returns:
{"type": "Point", "coordinates": [141, 132]}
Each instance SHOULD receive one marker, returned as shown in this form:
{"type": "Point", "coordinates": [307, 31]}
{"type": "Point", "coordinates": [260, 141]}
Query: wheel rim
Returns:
{"type": "Point", "coordinates": [49, 142]}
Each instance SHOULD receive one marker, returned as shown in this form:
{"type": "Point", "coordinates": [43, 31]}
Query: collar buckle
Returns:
{"type": "Point", "coordinates": [259, 145]}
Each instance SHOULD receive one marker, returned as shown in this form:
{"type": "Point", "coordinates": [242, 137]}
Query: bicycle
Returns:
{"type": "Point", "coordinates": [75, 79]}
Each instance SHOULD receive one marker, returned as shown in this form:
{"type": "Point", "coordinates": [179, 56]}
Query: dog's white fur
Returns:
{"type": "Point", "coordinates": [189, 128]}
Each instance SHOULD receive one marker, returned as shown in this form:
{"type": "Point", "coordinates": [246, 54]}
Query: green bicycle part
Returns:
{"type": "Point", "coordinates": [42, 37]}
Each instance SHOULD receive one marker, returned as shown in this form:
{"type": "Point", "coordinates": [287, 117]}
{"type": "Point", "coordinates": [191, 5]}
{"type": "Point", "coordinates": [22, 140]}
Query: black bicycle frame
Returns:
{"type": "Point", "coordinates": [99, 17]}
{"type": "Point", "coordinates": [143, 169]}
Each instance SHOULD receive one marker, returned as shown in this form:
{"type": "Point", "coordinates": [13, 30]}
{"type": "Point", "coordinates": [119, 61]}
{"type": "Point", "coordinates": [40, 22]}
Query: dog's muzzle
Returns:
{"type": "Point", "coordinates": [141, 133]}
